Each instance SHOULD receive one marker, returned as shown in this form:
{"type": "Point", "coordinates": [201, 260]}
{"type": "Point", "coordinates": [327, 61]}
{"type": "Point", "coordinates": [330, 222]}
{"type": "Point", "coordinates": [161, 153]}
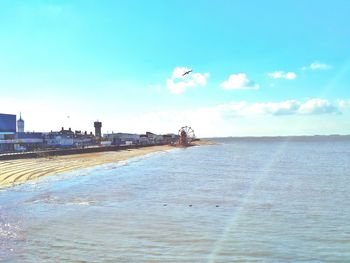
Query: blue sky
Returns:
{"type": "Point", "coordinates": [259, 67]}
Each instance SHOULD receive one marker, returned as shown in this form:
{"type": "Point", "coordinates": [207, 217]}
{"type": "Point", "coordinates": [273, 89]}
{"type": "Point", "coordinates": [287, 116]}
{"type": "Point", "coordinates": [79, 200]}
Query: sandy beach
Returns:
{"type": "Point", "coordinates": [19, 171]}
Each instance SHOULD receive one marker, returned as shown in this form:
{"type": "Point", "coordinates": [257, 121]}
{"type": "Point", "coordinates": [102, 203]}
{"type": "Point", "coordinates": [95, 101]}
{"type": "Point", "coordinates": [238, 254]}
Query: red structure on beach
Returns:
{"type": "Point", "coordinates": [186, 136]}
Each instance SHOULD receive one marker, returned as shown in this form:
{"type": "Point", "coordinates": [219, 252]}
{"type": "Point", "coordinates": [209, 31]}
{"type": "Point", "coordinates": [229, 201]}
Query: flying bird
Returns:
{"type": "Point", "coordinates": [187, 72]}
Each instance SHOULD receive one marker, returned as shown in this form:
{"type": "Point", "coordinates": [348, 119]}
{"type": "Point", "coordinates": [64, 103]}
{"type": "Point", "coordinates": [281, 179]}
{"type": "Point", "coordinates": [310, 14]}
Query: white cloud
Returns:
{"type": "Point", "coordinates": [239, 81]}
{"type": "Point", "coordinates": [282, 75]}
{"type": "Point", "coordinates": [343, 104]}
{"type": "Point", "coordinates": [223, 119]}
{"type": "Point", "coordinates": [318, 106]}
{"type": "Point", "coordinates": [287, 107]}
{"type": "Point", "coordinates": [242, 108]}
{"type": "Point", "coordinates": [178, 83]}
{"type": "Point", "coordinates": [179, 71]}
{"type": "Point", "coordinates": [317, 66]}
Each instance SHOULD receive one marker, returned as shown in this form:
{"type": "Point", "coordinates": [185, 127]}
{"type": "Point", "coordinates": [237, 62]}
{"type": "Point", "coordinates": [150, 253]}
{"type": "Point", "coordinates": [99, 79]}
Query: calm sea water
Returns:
{"type": "Point", "coordinates": [270, 200]}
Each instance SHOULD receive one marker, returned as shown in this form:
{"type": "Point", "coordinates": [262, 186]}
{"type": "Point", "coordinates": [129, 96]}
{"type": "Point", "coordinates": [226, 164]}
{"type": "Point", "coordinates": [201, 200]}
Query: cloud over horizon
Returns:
{"type": "Point", "coordinates": [230, 116]}
{"type": "Point", "coordinates": [288, 107]}
{"type": "Point", "coordinates": [314, 106]}
{"type": "Point", "coordinates": [282, 75]}
{"type": "Point", "coordinates": [239, 81]}
{"type": "Point", "coordinates": [344, 104]}
{"type": "Point", "coordinates": [262, 115]}
{"type": "Point", "coordinates": [317, 66]}
{"type": "Point", "coordinates": [178, 83]}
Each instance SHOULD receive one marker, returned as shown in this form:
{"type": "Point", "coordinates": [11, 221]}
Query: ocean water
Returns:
{"type": "Point", "coordinates": [242, 200]}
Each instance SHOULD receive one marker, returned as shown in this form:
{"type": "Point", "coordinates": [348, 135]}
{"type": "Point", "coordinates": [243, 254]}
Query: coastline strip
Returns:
{"type": "Point", "coordinates": [14, 172]}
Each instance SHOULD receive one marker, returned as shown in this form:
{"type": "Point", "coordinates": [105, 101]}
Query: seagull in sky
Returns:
{"type": "Point", "coordinates": [187, 72]}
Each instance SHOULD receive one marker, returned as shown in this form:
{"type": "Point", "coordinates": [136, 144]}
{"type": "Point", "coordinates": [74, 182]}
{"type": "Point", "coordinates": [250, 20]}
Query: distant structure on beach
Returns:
{"type": "Point", "coordinates": [98, 126]}
{"type": "Point", "coordinates": [20, 124]}
{"type": "Point", "coordinates": [148, 138]}
{"type": "Point", "coordinates": [186, 136]}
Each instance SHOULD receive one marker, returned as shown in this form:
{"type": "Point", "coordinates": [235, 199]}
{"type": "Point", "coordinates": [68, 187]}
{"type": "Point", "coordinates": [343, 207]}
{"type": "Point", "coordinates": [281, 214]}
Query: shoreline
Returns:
{"type": "Point", "coordinates": [14, 172]}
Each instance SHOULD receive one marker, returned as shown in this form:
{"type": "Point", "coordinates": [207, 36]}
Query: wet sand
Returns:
{"type": "Point", "coordinates": [19, 171]}
{"type": "Point", "coordinates": [14, 172]}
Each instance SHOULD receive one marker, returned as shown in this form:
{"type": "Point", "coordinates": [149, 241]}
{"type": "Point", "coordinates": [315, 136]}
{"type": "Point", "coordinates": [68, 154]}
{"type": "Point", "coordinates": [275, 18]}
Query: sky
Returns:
{"type": "Point", "coordinates": [259, 68]}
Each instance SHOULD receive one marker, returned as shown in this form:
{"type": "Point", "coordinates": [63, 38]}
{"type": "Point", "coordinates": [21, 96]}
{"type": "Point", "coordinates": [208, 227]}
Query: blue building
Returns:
{"type": "Point", "coordinates": [7, 131]}
{"type": "Point", "coordinates": [7, 123]}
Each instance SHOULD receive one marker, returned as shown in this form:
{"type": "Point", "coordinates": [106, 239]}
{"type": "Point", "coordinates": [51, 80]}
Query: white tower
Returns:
{"type": "Point", "coordinates": [20, 124]}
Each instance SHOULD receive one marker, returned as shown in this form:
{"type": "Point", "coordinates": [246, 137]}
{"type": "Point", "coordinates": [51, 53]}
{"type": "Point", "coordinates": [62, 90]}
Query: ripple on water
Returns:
{"type": "Point", "coordinates": [12, 236]}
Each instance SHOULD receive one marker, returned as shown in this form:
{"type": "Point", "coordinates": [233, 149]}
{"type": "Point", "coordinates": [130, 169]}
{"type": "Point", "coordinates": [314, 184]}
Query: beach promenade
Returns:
{"type": "Point", "coordinates": [19, 171]}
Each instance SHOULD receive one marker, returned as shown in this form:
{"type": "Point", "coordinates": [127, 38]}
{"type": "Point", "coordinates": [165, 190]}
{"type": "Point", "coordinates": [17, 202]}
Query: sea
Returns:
{"type": "Point", "coordinates": [240, 200]}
